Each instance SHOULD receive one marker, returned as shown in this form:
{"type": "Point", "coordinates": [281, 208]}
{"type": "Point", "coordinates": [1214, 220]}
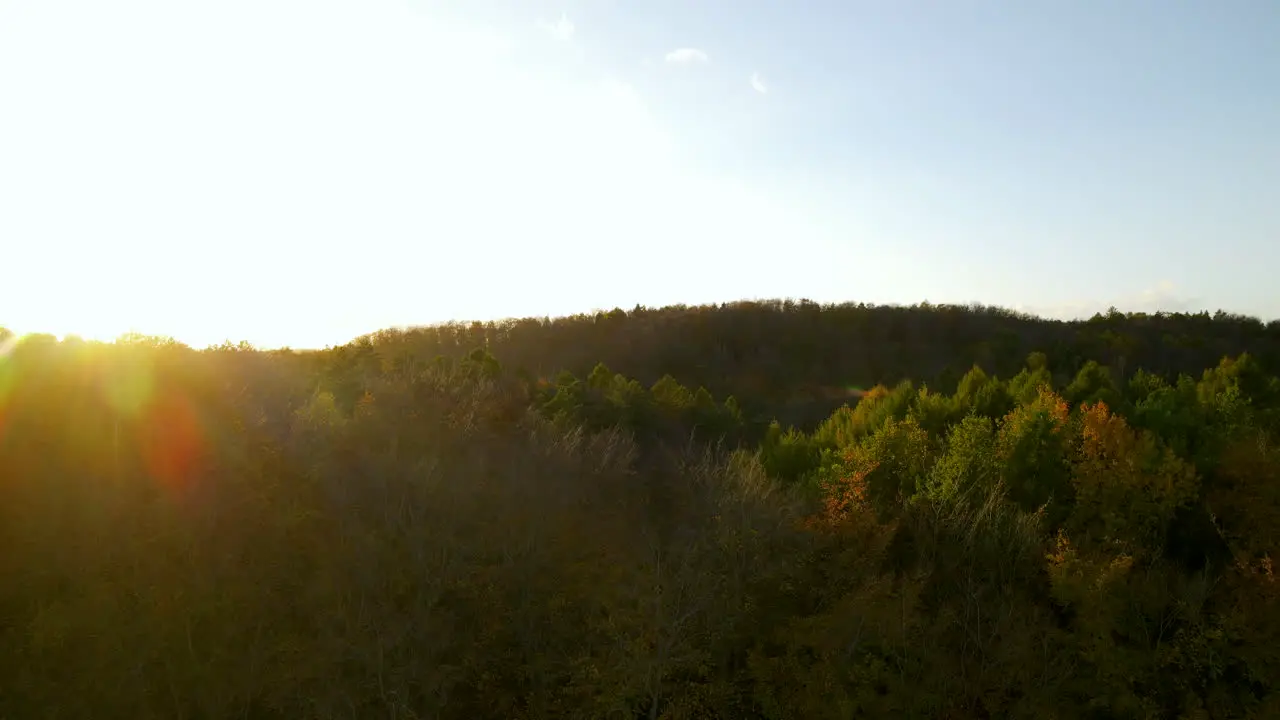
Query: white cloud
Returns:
{"type": "Point", "coordinates": [757, 82]}
{"type": "Point", "coordinates": [686, 55]}
{"type": "Point", "coordinates": [561, 29]}
{"type": "Point", "coordinates": [1164, 296]}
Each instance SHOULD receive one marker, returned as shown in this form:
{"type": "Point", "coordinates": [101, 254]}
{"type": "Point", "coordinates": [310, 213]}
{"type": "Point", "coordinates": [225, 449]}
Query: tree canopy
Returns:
{"type": "Point", "coordinates": [643, 514]}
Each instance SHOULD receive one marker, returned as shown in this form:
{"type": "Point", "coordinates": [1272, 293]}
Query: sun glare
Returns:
{"type": "Point", "coordinates": [89, 332]}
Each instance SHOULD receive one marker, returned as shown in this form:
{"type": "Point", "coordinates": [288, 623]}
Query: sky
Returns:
{"type": "Point", "coordinates": [300, 172]}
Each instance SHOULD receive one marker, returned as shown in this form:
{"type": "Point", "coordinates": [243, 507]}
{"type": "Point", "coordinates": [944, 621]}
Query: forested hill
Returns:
{"type": "Point", "coordinates": [794, 360]}
{"type": "Point", "coordinates": [410, 526]}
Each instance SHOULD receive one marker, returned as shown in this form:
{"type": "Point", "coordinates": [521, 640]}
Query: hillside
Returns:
{"type": "Point", "coordinates": [785, 357]}
{"type": "Point", "coordinates": [758, 510]}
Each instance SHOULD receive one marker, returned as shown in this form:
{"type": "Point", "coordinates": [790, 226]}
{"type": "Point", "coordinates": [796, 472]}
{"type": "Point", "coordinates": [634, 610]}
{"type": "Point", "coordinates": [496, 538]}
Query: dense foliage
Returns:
{"type": "Point", "coordinates": [599, 517]}
{"type": "Point", "coordinates": [797, 360]}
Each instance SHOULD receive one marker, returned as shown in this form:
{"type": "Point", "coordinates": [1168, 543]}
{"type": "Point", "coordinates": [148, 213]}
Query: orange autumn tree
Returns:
{"type": "Point", "coordinates": [1127, 484]}
{"type": "Point", "coordinates": [1131, 609]}
{"type": "Point", "coordinates": [883, 471]}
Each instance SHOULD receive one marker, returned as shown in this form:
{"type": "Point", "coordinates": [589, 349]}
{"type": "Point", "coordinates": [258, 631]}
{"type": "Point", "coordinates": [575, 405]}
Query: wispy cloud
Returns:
{"type": "Point", "coordinates": [1164, 296]}
{"type": "Point", "coordinates": [1168, 297]}
{"type": "Point", "coordinates": [757, 82]}
{"type": "Point", "coordinates": [561, 29]}
{"type": "Point", "coordinates": [685, 56]}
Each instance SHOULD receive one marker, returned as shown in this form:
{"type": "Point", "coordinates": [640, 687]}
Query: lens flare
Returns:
{"type": "Point", "coordinates": [130, 388]}
{"type": "Point", "coordinates": [172, 440]}
{"type": "Point", "coordinates": [8, 373]}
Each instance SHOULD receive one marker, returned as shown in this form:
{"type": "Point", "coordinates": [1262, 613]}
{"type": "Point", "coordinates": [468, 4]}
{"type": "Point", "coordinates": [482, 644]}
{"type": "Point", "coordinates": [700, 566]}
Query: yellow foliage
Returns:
{"type": "Point", "coordinates": [1127, 485]}
{"type": "Point", "coordinates": [1077, 577]}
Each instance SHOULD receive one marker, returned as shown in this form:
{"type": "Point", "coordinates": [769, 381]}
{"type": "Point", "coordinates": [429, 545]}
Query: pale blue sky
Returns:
{"type": "Point", "coordinates": [298, 172]}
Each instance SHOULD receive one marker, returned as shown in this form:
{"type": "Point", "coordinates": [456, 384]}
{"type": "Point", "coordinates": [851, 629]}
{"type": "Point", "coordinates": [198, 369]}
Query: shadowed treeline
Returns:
{"type": "Point", "coordinates": [785, 358]}
{"type": "Point", "coordinates": [406, 527]}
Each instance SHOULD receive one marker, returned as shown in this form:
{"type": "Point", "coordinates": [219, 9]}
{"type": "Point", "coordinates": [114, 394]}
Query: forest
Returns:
{"type": "Point", "coordinates": [758, 510]}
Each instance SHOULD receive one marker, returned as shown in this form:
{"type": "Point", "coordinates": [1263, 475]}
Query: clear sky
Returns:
{"type": "Point", "coordinates": [297, 172]}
